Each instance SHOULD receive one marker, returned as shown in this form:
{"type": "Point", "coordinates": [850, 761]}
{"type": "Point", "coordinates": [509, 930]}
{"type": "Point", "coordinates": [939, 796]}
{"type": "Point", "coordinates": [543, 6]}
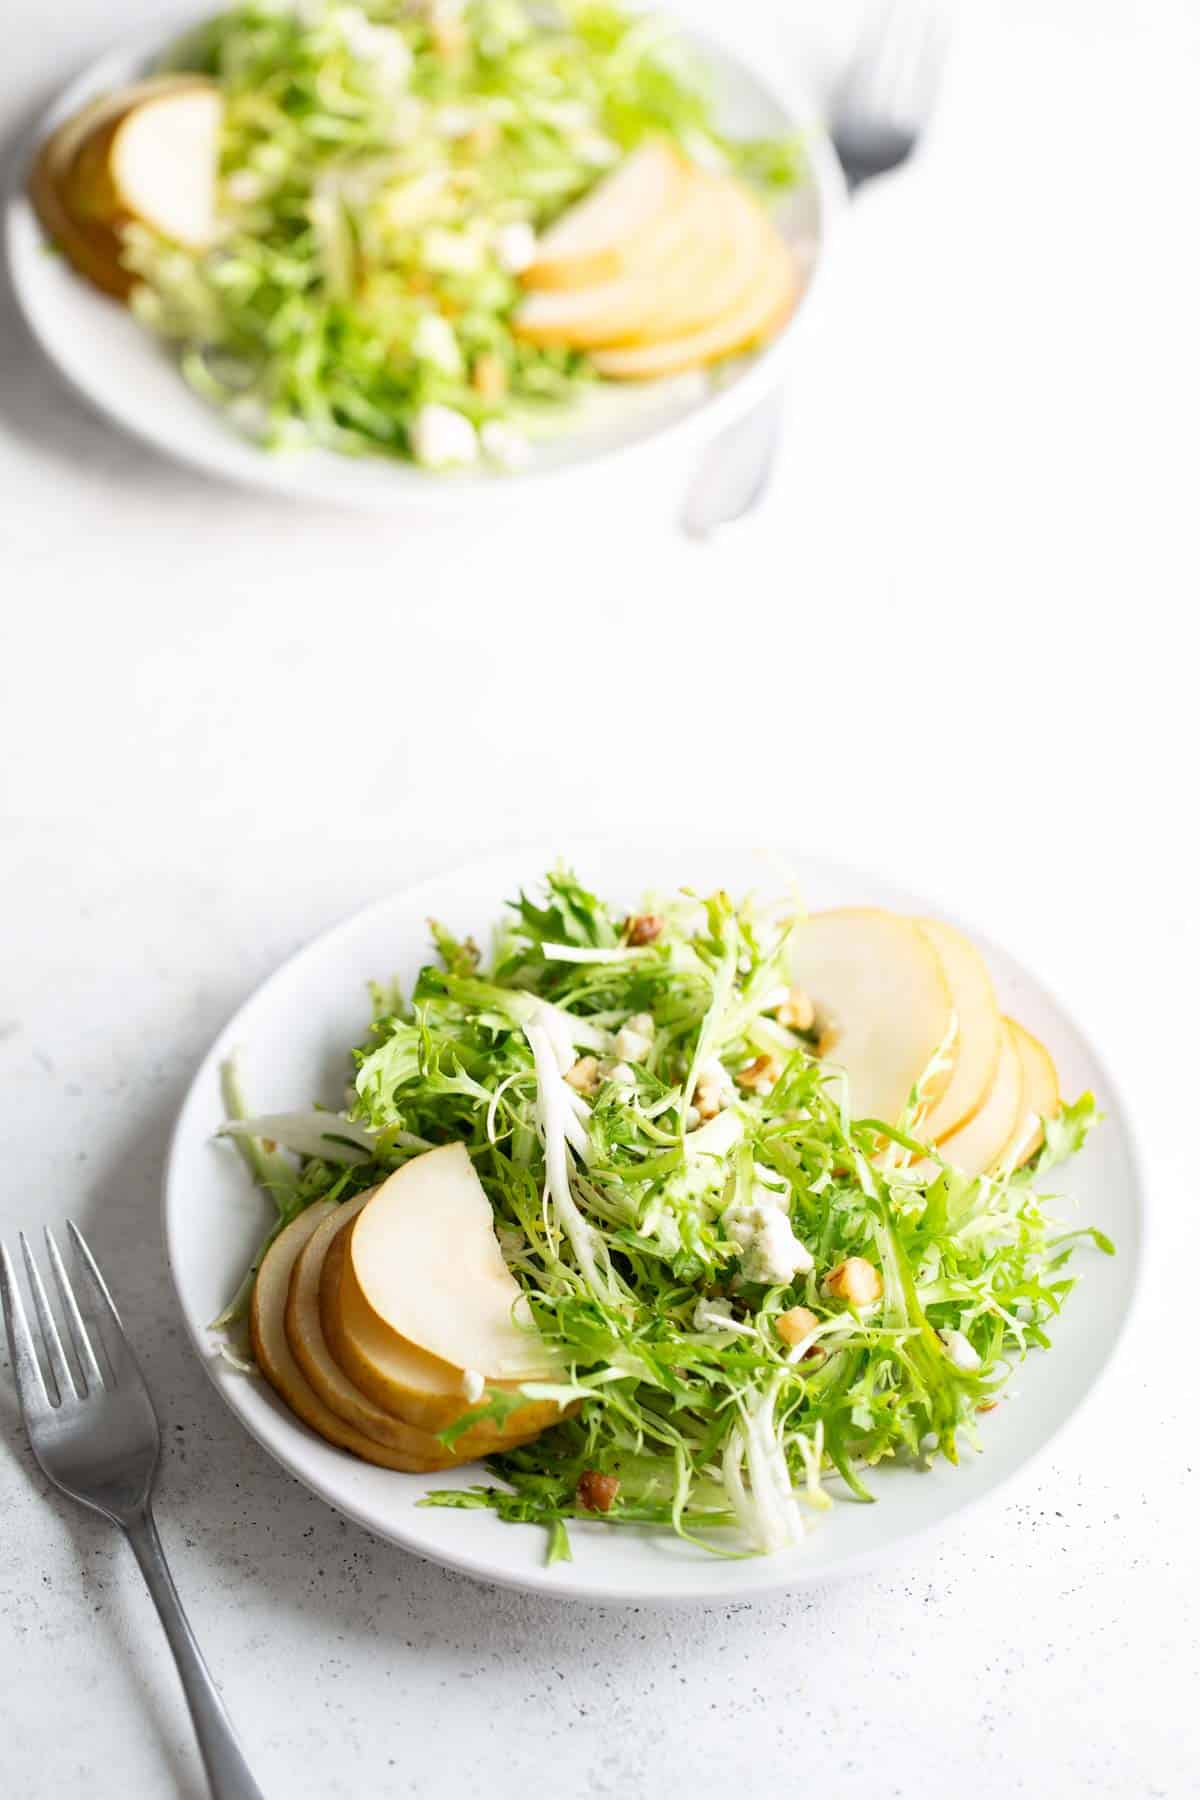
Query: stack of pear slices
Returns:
{"type": "Point", "coordinates": [382, 1320]}
{"type": "Point", "coordinates": [146, 154]}
{"type": "Point", "coordinates": [664, 267]}
{"type": "Point", "coordinates": [905, 1002]}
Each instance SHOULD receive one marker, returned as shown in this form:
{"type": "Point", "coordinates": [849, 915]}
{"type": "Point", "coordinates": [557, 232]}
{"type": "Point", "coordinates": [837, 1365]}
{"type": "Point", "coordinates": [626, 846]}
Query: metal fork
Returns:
{"type": "Point", "coordinates": [95, 1435]}
{"type": "Point", "coordinates": [877, 116]}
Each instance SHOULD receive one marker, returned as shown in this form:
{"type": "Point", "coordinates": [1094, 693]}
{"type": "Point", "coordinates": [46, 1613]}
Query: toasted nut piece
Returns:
{"type": "Point", "coordinates": [483, 137]}
{"type": "Point", "coordinates": [584, 1076]}
{"type": "Point", "coordinates": [796, 1324]}
{"type": "Point", "coordinates": [708, 1099]}
{"type": "Point", "coordinates": [447, 29]}
{"type": "Point", "coordinates": [855, 1280]}
{"type": "Point", "coordinates": [489, 377]}
{"type": "Point", "coordinates": [644, 929]}
{"type": "Point", "coordinates": [597, 1492]}
{"type": "Point", "coordinates": [797, 1011]}
{"type": "Point", "coordinates": [760, 1076]}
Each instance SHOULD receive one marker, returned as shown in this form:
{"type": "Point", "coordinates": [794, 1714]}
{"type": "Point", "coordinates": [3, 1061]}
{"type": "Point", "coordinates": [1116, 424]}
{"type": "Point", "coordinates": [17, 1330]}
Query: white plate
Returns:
{"type": "Point", "coordinates": [118, 366]}
{"type": "Point", "coordinates": [293, 1038]}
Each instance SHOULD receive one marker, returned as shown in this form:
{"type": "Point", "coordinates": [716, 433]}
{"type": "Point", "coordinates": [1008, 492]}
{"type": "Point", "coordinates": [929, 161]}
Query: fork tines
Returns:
{"type": "Point", "coordinates": [62, 1379]}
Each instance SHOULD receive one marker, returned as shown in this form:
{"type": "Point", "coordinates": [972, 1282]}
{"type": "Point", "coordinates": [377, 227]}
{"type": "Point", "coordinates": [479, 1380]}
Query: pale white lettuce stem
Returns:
{"type": "Point", "coordinates": [779, 1523]}
{"type": "Point", "coordinates": [735, 1488]}
{"type": "Point", "coordinates": [587, 953]}
{"type": "Point", "coordinates": [557, 1123]}
{"type": "Point", "coordinates": [565, 1031]}
{"type": "Point", "coordinates": [310, 1133]}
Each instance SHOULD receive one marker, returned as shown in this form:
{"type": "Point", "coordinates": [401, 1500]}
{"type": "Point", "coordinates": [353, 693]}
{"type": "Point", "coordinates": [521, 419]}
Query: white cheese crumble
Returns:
{"type": "Point", "coordinates": [473, 1386]}
{"type": "Point", "coordinates": [434, 342]}
{"type": "Point", "coordinates": [442, 438]}
{"type": "Point", "coordinates": [762, 1230]}
{"type": "Point", "coordinates": [245, 186]}
{"type": "Point", "coordinates": [451, 252]}
{"type": "Point", "coordinates": [377, 45]}
{"type": "Point", "coordinates": [961, 1351]}
{"type": "Point", "coordinates": [713, 1317]}
{"type": "Point", "coordinates": [635, 1040]}
{"type": "Point", "coordinates": [515, 246]}
{"type": "Point", "coordinates": [714, 1074]}
{"type": "Point", "coordinates": [456, 121]}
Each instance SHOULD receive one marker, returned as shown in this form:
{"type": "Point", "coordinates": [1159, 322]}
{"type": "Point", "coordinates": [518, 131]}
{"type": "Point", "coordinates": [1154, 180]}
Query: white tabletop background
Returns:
{"type": "Point", "coordinates": [958, 645]}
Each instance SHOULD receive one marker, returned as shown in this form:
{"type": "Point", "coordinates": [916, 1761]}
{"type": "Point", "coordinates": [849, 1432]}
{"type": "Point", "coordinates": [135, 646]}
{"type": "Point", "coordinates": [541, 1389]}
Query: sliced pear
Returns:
{"type": "Point", "coordinates": [1042, 1099]}
{"type": "Point", "coordinates": [273, 1353]}
{"type": "Point", "coordinates": [882, 1004]}
{"type": "Point", "coordinates": [746, 239]}
{"type": "Point", "coordinates": [163, 164]}
{"type": "Point", "coordinates": [402, 1380]}
{"type": "Point", "coordinates": [672, 281]}
{"type": "Point", "coordinates": [146, 152]}
{"type": "Point", "coordinates": [590, 241]}
{"type": "Point", "coordinates": [978, 1034]}
{"type": "Point", "coordinates": [332, 1384]}
{"type": "Point", "coordinates": [92, 248]}
{"type": "Point", "coordinates": [384, 1366]}
{"type": "Point", "coordinates": [427, 1263]}
{"type": "Point", "coordinates": [755, 318]}
{"type": "Point", "coordinates": [94, 255]}
{"type": "Point", "coordinates": [977, 1146]}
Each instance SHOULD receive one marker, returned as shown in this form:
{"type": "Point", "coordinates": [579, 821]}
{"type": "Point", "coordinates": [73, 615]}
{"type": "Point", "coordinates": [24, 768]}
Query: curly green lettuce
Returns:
{"type": "Point", "coordinates": [662, 1218]}
{"type": "Point", "coordinates": [384, 165]}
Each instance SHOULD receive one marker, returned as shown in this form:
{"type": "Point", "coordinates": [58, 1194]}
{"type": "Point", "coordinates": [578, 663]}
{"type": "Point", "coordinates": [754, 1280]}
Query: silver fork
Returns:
{"type": "Point", "coordinates": [95, 1435]}
{"type": "Point", "coordinates": [877, 115]}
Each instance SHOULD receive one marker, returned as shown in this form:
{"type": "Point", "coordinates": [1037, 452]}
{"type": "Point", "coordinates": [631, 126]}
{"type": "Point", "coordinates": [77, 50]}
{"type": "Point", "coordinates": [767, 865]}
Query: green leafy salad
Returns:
{"type": "Point", "coordinates": [754, 1297]}
{"type": "Point", "coordinates": [385, 167]}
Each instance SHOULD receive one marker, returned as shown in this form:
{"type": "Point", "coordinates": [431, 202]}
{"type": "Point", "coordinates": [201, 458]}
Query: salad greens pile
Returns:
{"type": "Point", "coordinates": [384, 168]}
{"type": "Point", "coordinates": [683, 1235]}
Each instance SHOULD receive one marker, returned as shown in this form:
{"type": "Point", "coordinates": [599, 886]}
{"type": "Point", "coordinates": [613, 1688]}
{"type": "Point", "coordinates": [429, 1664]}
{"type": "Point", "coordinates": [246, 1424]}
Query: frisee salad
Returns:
{"type": "Point", "coordinates": [385, 167]}
{"type": "Point", "coordinates": [755, 1298]}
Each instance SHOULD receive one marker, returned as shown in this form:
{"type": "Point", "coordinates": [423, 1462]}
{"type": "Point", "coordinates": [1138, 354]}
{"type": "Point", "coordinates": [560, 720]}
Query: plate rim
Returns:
{"type": "Point", "coordinates": [300, 478]}
{"type": "Point", "coordinates": [560, 1583]}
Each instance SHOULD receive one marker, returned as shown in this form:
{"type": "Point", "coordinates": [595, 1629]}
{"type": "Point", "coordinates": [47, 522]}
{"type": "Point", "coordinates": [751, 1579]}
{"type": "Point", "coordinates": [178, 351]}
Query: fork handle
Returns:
{"type": "Point", "coordinates": [735, 471]}
{"type": "Point", "coordinates": [228, 1773]}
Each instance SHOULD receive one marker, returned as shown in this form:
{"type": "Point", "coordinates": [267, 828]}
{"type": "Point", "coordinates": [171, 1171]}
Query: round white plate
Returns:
{"type": "Point", "coordinates": [293, 1039]}
{"type": "Point", "coordinates": [123, 371]}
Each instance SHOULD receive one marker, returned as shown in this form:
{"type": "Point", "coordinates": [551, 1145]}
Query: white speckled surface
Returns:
{"type": "Point", "coordinates": [223, 724]}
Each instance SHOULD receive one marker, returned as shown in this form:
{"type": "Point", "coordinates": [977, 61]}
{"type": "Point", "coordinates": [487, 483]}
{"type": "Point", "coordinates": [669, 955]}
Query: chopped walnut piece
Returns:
{"type": "Point", "coordinates": [707, 1100]}
{"type": "Point", "coordinates": [644, 929]}
{"type": "Point", "coordinates": [796, 1011]}
{"type": "Point", "coordinates": [760, 1076]}
{"type": "Point", "coordinates": [489, 377]}
{"type": "Point", "coordinates": [484, 137]}
{"type": "Point", "coordinates": [448, 29]}
{"type": "Point", "coordinates": [855, 1280]}
{"type": "Point", "coordinates": [796, 1324]}
{"type": "Point", "coordinates": [596, 1492]}
{"type": "Point", "coordinates": [584, 1075]}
